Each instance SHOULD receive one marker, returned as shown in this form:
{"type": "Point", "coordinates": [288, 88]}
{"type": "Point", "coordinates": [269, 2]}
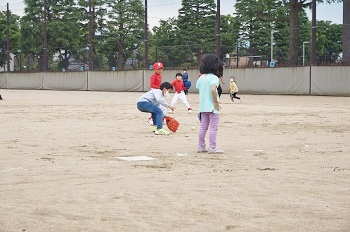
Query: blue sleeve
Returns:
{"type": "Point", "coordinates": [185, 77]}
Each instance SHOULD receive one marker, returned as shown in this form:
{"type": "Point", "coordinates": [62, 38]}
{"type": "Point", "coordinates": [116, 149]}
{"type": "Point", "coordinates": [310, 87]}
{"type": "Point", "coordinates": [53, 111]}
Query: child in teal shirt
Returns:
{"type": "Point", "coordinates": [209, 105]}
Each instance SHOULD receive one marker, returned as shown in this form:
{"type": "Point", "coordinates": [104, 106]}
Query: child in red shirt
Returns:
{"type": "Point", "coordinates": [156, 80]}
{"type": "Point", "coordinates": [179, 89]}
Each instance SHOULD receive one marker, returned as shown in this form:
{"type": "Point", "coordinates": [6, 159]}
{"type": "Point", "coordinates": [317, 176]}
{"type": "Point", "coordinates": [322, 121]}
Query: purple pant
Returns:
{"type": "Point", "coordinates": [211, 121]}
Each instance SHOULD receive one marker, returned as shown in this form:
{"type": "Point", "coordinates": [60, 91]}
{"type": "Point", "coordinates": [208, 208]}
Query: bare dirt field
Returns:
{"type": "Point", "coordinates": [286, 165]}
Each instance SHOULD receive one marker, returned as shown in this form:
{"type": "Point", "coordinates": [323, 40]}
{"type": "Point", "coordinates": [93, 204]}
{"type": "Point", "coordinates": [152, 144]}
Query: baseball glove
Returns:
{"type": "Point", "coordinates": [172, 123]}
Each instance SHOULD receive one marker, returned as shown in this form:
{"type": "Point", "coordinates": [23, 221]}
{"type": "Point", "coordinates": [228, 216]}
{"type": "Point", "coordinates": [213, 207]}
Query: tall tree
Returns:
{"type": "Point", "coordinates": [295, 7]}
{"type": "Point", "coordinates": [62, 30]}
{"type": "Point", "coordinates": [14, 35]}
{"type": "Point", "coordinates": [229, 34]}
{"type": "Point", "coordinates": [166, 44]}
{"type": "Point", "coordinates": [197, 22]}
{"type": "Point", "coordinates": [125, 28]}
{"type": "Point", "coordinates": [256, 21]}
{"type": "Point", "coordinates": [329, 38]}
{"type": "Point", "coordinates": [99, 48]}
{"type": "Point", "coordinates": [32, 30]}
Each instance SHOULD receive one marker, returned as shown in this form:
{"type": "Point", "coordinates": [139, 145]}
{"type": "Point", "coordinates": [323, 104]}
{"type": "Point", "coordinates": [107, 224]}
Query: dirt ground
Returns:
{"type": "Point", "coordinates": [286, 165]}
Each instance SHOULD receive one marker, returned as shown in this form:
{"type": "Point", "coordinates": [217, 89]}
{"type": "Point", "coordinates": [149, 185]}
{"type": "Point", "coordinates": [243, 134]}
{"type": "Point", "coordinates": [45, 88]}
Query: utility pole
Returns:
{"type": "Point", "coordinates": [304, 51]}
{"type": "Point", "coordinates": [272, 31]}
{"type": "Point", "coordinates": [313, 34]}
{"type": "Point", "coordinates": [146, 37]}
{"type": "Point", "coordinates": [90, 36]}
{"type": "Point", "coordinates": [218, 29]}
{"type": "Point", "coordinates": [237, 56]}
{"type": "Point", "coordinates": [8, 38]}
{"type": "Point", "coordinates": [45, 60]}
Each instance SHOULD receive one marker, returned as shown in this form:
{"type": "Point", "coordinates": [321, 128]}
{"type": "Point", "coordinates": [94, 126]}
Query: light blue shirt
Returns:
{"type": "Point", "coordinates": [203, 84]}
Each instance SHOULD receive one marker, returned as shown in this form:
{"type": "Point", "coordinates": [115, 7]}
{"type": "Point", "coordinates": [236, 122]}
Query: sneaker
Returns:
{"type": "Point", "coordinates": [161, 132]}
{"type": "Point", "coordinates": [202, 149]}
{"type": "Point", "coordinates": [241, 99]}
{"type": "Point", "coordinates": [154, 128]}
{"type": "Point", "coordinates": [0, 97]}
{"type": "Point", "coordinates": [170, 111]}
{"type": "Point", "coordinates": [215, 151]}
{"type": "Point", "coordinates": [150, 121]}
{"type": "Point", "coordinates": [189, 110]}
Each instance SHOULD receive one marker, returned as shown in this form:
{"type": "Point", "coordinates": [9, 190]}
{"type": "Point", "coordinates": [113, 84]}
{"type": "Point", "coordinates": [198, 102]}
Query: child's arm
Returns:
{"type": "Point", "coordinates": [222, 81]}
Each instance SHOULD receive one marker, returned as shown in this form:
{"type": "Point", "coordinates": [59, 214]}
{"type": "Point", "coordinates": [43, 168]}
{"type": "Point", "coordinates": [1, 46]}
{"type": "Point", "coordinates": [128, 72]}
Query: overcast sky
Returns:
{"type": "Point", "coordinates": [163, 9]}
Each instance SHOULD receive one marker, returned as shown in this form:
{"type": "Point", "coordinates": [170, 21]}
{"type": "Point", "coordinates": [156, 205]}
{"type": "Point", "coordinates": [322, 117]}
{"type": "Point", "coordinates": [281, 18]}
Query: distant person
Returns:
{"type": "Point", "coordinates": [179, 88]}
{"type": "Point", "coordinates": [185, 80]}
{"type": "Point", "coordinates": [234, 90]}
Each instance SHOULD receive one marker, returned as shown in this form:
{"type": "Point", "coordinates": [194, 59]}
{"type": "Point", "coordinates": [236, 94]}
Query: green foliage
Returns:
{"type": "Point", "coordinates": [181, 42]}
{"type": "Point", "coordinates": [118, 32]}
{"type": "Point", "coordinates": [124, 29]}
{"type": "Point", "coordinates": [229, 34]}
{"type": "Point", "coordinates": [62, 30]}
{"type": "Point", "coordinates": [296, 7]}
{"type": "Point", "coordinates": [32, 28]}
{"type": "Point", "coordinates": [256, 20]}
{"type": "Point", "coordinates": [14, 35]}
{"type": "Point", "coordinates": [68, 30]}
{"type": "Point", "coordinates": [329, 41]}
{"type": "Point", "coordinates": [197, 23]}
{"type": "Point", "coordinates": [166, 44]}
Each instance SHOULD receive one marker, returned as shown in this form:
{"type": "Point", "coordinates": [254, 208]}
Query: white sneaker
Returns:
{"type": "Point", "coordinates": [215, 151]}
{"type": "Point", "coordinates": [241, 99]}
{"type": "Point", "coordinates": [201, 149]}
{"type": "Point", "coordinates": [150, 122]}
{"type": "Point", "coordinates": [170, 111]}
{"type": "Point", "coordinates": [189, 110]}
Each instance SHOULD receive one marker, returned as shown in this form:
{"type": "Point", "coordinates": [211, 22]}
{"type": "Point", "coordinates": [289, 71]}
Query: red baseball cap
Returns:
{"type": "Point", "coordinates": [158, 65]}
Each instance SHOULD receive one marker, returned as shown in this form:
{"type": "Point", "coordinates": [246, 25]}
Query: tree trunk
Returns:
{"type": "Point", "coordinates": [293, 50]}
{"type": "Point", "coordinates": [120, 60]}
{"type": "Point", "coordinates": [346, 32]}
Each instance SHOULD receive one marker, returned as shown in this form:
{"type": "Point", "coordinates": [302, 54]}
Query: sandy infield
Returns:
{"type": "Point", "coordinates": [286, 165]}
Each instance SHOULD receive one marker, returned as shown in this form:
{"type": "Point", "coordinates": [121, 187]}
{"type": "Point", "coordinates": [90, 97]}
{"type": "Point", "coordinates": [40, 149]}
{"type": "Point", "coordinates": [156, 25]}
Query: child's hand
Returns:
{"type": "Point", "coordinates": [217, 106]}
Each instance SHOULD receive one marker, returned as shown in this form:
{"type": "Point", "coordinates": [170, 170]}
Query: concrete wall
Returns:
{"type": "Point", "coordinates": [316, 80]}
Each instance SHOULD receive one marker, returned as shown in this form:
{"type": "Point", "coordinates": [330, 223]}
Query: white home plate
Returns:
{"type": "Point", "coordinates": [181, 154]}
{"type": "Point", "coordinates": [136, 158]}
